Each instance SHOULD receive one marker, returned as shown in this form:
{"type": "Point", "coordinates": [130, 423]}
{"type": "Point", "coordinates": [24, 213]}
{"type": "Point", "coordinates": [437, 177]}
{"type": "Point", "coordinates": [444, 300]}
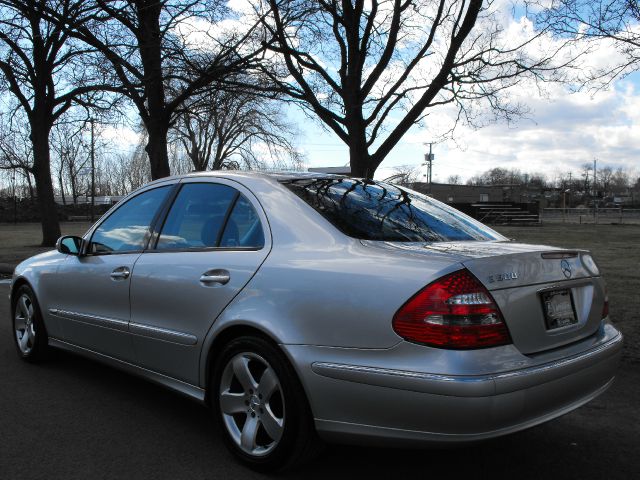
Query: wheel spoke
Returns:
{"type": "Point", "coordinates": [268, 384]}
{"type": "Point", "coordinates": [24, 308]}
{"type": "Point", "coordinates": [272, 425]}
{"type": "Point", "coordinates": [231, 403]}
{"type": "Point", "coordinates": [249, 433]}
{"type": "Point", "coordinates": [24, 341]}
{"type": "Point", "coordinates": [20, 323]}
{"type": "Point", "coordinates": [242, 373]}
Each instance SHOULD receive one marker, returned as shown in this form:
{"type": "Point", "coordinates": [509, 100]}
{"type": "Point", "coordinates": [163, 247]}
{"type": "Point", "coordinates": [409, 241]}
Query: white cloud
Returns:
{"type": "Point", "coordinates": [562, 133]}
{"type": "Point", "coordinates": [122, 136]}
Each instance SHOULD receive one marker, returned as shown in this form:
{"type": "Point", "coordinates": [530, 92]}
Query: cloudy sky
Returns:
{"type": "Point", "coordinates": [559, 135]}
{"type": "Point", "coordinates": [562, 131]}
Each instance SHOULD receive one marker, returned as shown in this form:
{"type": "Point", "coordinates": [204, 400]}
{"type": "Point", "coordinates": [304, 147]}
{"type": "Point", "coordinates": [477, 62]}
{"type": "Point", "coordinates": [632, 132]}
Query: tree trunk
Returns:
{"type": "Point", "coordinates": [28, 175]}
{"type": "Point", "coordinates": [44, 186]}
{"type": "Point", "coordinates": [157, 149]}
{"type": "Point", "coordinates": [157, 122]}
{"type": "Point", "coordinates": [359, 157]}
{"type": "Point", "coordinates": [74, 188]}
{"type": "Point", "coordinates": [61, 183]}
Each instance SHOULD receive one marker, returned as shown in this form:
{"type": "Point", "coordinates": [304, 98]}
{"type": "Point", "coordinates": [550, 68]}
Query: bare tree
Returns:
{"type": "Point", "coordinates": [71, 157]}
{"type": "Point", "coordinates": [620, 181]}
{"type": "Point", "coordinates": [39, 66]}
{"type": "Point", "coordinates": [498, 176]}
{"type": "Point", "coordinates": [604, 179]}
{"type": "Point", "coordinates": [16, 156]}
{"type": "Point", "coordinates": [370, 70]}
{"type": "Point", "coordinates": [591, 21]}
{"type": "Point", "coordinates": [236, 130]}
{"type": "Point", "coordinates": [405, 175]}
{"type": "Point", "coordinates": [156, 64]}
{"type": "Point", "coordinates": [454, 180]}
{"type": "Point", "coordinates": [124, 172]}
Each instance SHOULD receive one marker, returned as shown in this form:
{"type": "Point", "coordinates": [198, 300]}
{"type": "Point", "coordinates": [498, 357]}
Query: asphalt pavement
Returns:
{"type": "Point", "coordinates": [73, 418]}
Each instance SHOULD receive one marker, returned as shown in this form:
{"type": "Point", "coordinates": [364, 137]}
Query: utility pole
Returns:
{"type": "Point", "coordinates": [93, 170]}
{"type": "Point", "coordinates": [428, 161]}
{"type": "Point", "coordinates": [595, 201]}
{"type": "Point", "coordinates": [15, 199]}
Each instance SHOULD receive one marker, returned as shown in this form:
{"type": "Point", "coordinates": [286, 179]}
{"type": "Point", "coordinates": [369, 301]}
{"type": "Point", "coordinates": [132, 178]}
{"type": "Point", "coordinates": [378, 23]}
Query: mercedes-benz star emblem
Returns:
{"type": "Point", "coordinates": [566, 268]}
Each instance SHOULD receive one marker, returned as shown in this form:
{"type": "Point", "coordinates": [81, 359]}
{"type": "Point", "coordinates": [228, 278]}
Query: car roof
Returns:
{"type": "Point", "coordinates": [280, 176]}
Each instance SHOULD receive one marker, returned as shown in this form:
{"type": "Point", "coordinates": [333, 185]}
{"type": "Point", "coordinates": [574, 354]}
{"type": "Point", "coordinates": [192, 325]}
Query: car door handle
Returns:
{"type": "Point", "coordinates": [215, 276]}
{"type": "Point", "coordinates": [120, 273]}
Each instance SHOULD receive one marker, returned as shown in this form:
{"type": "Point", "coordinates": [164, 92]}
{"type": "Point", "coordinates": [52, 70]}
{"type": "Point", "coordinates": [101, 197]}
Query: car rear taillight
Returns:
{"type": "Point", "coordinates": [456, 312]}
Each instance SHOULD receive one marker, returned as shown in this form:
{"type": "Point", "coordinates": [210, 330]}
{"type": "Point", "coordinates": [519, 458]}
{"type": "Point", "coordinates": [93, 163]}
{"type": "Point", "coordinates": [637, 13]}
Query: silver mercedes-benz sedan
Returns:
{"type": "Point", "coordinates": [308, 306]}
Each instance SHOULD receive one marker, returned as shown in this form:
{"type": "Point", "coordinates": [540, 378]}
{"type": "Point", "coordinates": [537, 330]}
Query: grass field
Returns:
{"type": "Point", "coordinates": [615, 247]}
{"type": "Point", "coordinates": [22, 240]}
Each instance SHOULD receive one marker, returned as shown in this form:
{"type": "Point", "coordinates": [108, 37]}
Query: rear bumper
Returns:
{"type": "Point", "coordinates": [387, 396]}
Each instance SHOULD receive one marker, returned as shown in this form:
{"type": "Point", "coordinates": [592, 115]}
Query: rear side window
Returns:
{"type": "Point", "coordinates": [243, 228]}
{"type": "Point", "coordinates": [127, 228]}
{"type": "Point", "coordinates": [208, 215]}
{"type": "Point", "coordinates": [371, 210]}
{"type": "Point", "coordinates": [196, 217]}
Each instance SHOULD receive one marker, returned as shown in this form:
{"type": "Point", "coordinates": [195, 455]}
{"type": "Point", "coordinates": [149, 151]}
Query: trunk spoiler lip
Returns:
{"type": "Point", "coordinates": [464, 251]}
{"type": "Point", "coordinates": [560, 254]}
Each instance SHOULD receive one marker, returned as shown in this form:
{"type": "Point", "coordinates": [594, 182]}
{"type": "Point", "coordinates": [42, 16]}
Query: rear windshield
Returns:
{"type": "Point", "coordinates": [371, 210]}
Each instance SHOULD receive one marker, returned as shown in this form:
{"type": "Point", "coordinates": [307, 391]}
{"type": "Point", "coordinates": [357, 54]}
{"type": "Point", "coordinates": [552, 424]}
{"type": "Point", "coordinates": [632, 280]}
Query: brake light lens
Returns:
{"type": "Point", "coordinates": [454, 312]}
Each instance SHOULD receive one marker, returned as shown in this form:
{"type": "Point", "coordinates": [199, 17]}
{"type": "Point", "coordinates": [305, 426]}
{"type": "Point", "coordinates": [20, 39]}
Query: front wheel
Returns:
{"type": "Point", "coordinates": [265, 417]}
{"type": "Point", "coordinates": [30, 335]}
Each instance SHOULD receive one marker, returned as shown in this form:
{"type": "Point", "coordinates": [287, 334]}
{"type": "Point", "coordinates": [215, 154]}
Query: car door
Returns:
{"type": "Point", "coordinates": [92, 300]}
{"type": "Point", "coordinates": [211, 243]}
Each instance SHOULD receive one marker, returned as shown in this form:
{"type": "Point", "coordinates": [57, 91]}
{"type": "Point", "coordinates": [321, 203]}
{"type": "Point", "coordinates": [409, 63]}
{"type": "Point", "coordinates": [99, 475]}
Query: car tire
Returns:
{"type": "Point", "coordinates": [29, 333]}
{"type": "Point", "coordinates": [261, 406]}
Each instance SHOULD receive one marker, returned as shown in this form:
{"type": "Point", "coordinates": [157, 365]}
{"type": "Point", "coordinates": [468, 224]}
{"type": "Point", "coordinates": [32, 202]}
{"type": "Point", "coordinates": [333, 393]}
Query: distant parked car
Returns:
{"type": "Point", "coordinates": [307, 305]}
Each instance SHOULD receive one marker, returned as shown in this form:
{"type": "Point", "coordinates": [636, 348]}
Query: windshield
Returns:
{"type": "Point", "coordinates": [371, 210]}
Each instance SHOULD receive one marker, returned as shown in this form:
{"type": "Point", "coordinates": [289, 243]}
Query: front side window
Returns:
{"type": "Point", "coordinates": [127, 228]}
{"type": "Point", "coordinates": [371, 210]}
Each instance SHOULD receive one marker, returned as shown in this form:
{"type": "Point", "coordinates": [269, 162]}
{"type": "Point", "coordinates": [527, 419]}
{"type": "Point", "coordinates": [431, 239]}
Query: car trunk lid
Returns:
{"type": "Point", "coordinates": [547, 295]}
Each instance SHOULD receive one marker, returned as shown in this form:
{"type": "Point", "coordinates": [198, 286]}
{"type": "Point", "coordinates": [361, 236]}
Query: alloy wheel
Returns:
{"type": "Point", "coordinates": [24, 324]}
{"type": "Point", "coordinates": [252, 404]}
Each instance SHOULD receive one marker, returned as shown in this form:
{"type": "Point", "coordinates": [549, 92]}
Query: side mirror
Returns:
{"type": "Point", "coordinates": [69, 245]}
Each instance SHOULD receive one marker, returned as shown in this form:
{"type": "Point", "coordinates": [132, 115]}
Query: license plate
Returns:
{"type": "Point", "coordinates": [559, 310]}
